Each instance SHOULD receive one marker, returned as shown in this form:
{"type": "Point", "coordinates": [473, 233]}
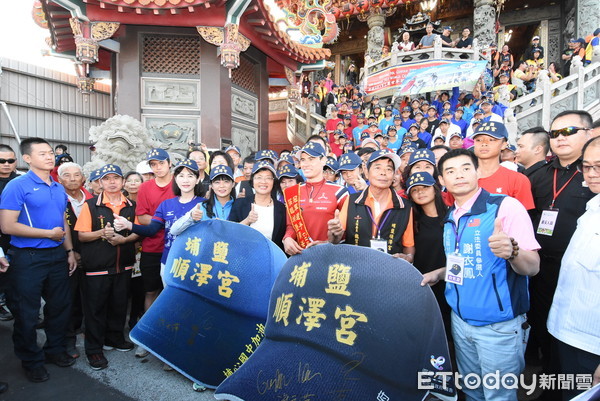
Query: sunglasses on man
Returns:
{"type": "Point", "coordinates": [567, 131]}
{"type": "Point", "coordinates": [9, 161]}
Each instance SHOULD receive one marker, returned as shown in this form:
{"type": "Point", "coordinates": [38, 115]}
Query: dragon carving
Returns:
{"type": "Point", "coordinates": [316, 22]}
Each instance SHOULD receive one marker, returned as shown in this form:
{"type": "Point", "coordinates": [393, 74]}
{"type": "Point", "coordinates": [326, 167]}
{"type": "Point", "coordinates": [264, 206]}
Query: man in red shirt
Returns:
{"type": "Point", "coordinates": [490, 137]}
{"type": "Point", "coordinates": [310, 205]}
{"type": "Point", "coordinates": [150, 195]}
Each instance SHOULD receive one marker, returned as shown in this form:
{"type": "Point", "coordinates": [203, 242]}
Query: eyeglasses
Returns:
{"type": "Point", "coordinates": [263, 179]}
{"type": "Point", "coordinates": [9, 161]}
{"type": "Point", "coordinates": [585, 169]}
{"type": "Point", "coordinates": [567, 131]}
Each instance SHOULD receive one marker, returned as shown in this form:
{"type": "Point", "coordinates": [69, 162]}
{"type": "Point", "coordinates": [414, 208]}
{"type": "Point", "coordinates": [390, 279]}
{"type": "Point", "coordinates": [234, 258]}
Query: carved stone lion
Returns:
{"type": "Point", "coordinates": [576, 64]}
{"type": "Point", "coordinates": [120, 140]}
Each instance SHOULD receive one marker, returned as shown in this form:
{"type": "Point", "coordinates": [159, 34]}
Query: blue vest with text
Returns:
{"type": "Point", "coordinates": [491, 292]}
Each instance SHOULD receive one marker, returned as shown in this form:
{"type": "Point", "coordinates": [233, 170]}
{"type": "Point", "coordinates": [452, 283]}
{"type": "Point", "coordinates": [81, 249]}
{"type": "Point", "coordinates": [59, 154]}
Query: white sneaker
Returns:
{"type": "Point", "coordinates": [141, 352]}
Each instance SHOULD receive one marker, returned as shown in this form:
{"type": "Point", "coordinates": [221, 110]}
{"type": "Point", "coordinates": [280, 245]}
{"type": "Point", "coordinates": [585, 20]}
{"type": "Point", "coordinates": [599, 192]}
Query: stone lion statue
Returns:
{"type": "Point", "coordinates": [120, 140]}
{"type": "Point", "coordinates": [576, 64]}
{"type": "Point", "coordinates": [542, 79]}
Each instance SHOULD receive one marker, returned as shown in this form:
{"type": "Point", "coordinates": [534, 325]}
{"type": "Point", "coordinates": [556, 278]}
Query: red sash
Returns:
{"type": "Point", "coordinates": [292, 205]}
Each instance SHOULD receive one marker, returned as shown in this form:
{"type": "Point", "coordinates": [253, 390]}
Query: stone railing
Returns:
{"type": "Point", "coordinates": [300, 124]}
{"type": "Point", "coordinates": [437, 52]}
{"type": "Point", "coordinates": [579, 91]}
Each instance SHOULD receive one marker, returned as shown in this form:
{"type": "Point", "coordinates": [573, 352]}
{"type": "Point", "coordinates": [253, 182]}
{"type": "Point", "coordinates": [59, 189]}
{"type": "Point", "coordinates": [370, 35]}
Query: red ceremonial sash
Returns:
{"type": "Point", "coordinates": [292, 205]}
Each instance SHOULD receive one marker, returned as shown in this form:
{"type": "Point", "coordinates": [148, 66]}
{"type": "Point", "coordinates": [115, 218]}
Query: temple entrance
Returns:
{"type": "Point", "coordinates": [518, 38]}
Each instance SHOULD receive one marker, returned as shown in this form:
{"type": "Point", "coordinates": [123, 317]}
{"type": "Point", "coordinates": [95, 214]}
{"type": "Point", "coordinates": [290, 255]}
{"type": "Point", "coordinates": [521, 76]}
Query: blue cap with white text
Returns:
{"type": "Point", "coordinates": [346, 322]}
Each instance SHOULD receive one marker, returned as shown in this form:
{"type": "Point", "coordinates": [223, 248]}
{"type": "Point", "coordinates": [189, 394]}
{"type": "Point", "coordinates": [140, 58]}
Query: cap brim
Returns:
{"type": "Point", "coordinates": [348, 167]}
{"type": "Point", "coordinates": [192, 339]}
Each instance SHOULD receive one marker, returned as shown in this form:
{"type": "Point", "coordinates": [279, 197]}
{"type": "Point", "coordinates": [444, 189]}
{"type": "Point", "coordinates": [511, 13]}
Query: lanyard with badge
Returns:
{"type": "Point", "coordinates": [550, 215]}
{"type": "Point", "coordinates": [455, 262]}
{"type": "Point", "coordinates": [378, 243]}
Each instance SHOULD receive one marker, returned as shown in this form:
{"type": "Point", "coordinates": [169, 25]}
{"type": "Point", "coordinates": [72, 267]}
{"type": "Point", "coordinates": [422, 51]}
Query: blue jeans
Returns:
{"type": "Point", "coordinates": [497, 347]}
{"type": "Point", "coordinates": [33, 274]}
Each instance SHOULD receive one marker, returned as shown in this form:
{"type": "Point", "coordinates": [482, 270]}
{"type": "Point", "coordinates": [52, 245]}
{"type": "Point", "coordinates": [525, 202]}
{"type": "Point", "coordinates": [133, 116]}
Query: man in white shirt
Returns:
{"type": "Point", "coordinates": [574, 318]}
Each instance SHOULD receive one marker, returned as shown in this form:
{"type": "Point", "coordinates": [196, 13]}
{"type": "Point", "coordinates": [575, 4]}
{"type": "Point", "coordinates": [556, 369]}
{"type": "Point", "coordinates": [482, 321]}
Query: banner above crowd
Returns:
{"type": "Point", "coordinates": [442, 77]}
{"type": "Point", "coordinates": [424, 76]}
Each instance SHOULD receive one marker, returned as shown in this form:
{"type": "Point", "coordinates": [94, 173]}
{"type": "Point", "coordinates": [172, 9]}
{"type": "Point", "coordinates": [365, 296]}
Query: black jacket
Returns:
{"type": "Point", "coordinates": [359, 226]}
{"type": "Point", "coordinates": [100, 255]}
{"type": "Point", "coordinates": [242, 206]}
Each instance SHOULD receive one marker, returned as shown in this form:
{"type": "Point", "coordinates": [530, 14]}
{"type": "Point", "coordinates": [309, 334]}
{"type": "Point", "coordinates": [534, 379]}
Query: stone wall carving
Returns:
{"type": "Point", "coordinates": [554, 49]}
{"type": "Point", "coordinates": [588, 17]}
{"type": "Point", "coordinates": [484, 18]}
{"type": "Point", "coordinates": [244, 106]}
{"type": "Point", "coordinates": [244, 137]}
{"type": "Point", "coordinates": [173, 132]}
{"type": "Point", "coordinates": [167, 93]}
{"type": "Point", "coordinates": [375, 37]}
{"type": "Point", "coordinates": [569, 22]}
{"type": "Point", "coordinates": [277, 105]}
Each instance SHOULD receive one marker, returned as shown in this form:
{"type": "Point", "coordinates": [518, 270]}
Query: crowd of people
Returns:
{"type": "Point", "coordinates": [507, 221]}
{"type": "Point", "coordinates": [517, 76]}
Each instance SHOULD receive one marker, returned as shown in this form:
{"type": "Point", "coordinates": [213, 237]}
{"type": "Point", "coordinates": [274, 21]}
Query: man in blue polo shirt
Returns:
{"type": "Point", "coordinates": [32, 211]}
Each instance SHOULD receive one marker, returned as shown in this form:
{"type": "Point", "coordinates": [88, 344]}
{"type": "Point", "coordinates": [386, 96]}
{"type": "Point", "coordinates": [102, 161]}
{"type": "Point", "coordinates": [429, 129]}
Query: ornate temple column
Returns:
{"type": "Point", "coordinates": [484, 19]}
{"type": "Point", "coordinates": [588, 17]}
{"type": "Point", "coordinates": [375, 37]}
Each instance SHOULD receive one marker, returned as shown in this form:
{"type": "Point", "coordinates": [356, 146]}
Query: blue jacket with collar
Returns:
{"type": "Point", "coordinates": [492, 291]}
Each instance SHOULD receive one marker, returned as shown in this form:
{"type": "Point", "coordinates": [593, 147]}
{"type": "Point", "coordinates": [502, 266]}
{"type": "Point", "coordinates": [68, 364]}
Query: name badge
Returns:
{"type": "Point", "coordinates": [547, 222]}
{"type": "Point", "coordinates": [379, 244]}
{"type": "Point", "coordinates": [455, 266]}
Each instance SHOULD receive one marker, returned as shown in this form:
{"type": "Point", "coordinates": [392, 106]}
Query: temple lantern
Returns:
{"type": "Point", "coordinates": [347, 10]}
{"type": "Point", "coordinates": [336, 11]}
{"type": "Point", "coordinates": [377, 3]}
{"type": "Point", "coordinates": [362, 6]}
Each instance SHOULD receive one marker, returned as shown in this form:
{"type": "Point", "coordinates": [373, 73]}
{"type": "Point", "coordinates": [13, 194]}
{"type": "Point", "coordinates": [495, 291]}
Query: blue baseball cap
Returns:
{"type": "Point", "coordinates": [266, 154]}
{"type": "Point", "coordinates": [406, 108]}
{"type": "Point", "coordinates": [286, 158]}
{"type": "Point", "coordinates": [312, 149]}
{"type": "Point", "coordinates": [263, 164]}
{"type": "Point", "coordinates": [511, 147]}
{"type": "Point", "coordinates": [397, 117]}
{"type": "Point", "coordinates": [414, 125]}
{"type": "Point", "coordinates": [346, 340]}
{"type": "Point", "coordinates": [389, 108]}
{"type": "Point", "coordinates": [420, 178]}
{"type": "Point", "coordinates": [288, 171]}
{"type": "Point", "coordinates": [95, 175]}
{"type": "Point", "coordinates": [347, 117]}
{"type": "Point", "coordinates": [187, 163]}
{"type": "Point", "coordinates": [220, 170]}
{"type": "Point", "coordinates": [110, 169]}
{"type": "Point", "coordinates": [355, 105]}
{"type": "Point", "coordinates": [332, 164]}
{"type": "Point", "coordinates": [406, 149]}
{"type": "Point", "coordinates": [360, 115]}
{"type": "Point", "coordinates": [157, 154]}
{"type": "Point", "coordinates": [364, 135]}
{"type": "Point", "coordinates": [422, 155]}
{"type": "Point", "coordinates": [385, 154]}
{"type": "Point", "coordinates": [392, 128]}
{"type": "Point", "coordinates": [234, 148]}
{"type": "Point", "coordinates": [492, 128]}
{"type": "Point", "coordinates": [479, 111]}
{"type": "Point", "coordinates": [339, 133]}
{"type": "Point", "coordinates": [349, 161]}
{"type": "Point", "coordinates": [210, 317]}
